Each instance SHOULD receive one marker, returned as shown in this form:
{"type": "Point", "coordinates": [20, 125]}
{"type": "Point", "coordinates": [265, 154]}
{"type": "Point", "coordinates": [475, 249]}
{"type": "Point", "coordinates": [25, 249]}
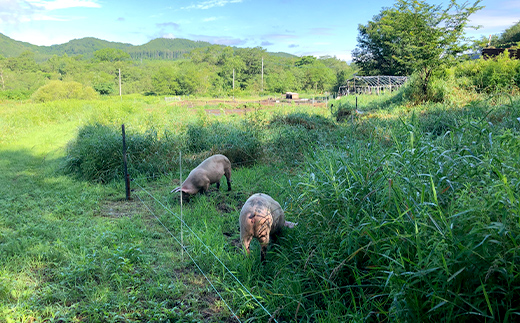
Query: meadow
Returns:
{"type": "Point", "coordinates": [406, 213]}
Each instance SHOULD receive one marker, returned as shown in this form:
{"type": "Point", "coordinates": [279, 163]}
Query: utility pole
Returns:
{"type": "Point", "coordinates": [233, 84]}
{"type": "Point", "coordinates": [2, 77]}
{"type": "Point", "coordinates": [120, 85]}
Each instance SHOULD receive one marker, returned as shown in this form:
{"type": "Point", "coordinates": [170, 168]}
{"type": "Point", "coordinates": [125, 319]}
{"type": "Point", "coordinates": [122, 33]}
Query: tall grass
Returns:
{"type": "Point", "coordinates": [424, 230]}
{"type": "Point", "coordinates": [405, 214]}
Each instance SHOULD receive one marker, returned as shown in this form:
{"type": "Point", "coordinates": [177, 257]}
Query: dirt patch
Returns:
{"type": "Point", "coordinates": [234, 242]}
{"type": "Point", "coordinates": [215, 308]}
{"type": "Point", "coordinates": [209, 305]}
{"type": "Point", "coordinates": [242, 107]}
{"type": "Point", "coordinates": [120, 208]}
{"type": "Point", "coordinates": [217, 112]}
{"type": "Point", "coordinates": [223, 207]}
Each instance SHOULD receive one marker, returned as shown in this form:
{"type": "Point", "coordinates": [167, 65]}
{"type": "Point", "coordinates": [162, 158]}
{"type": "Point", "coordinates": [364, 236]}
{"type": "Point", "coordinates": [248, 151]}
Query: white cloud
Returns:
{"type": "Point", "coordinates": [169, 36]}
{"type": "Point", "coordinates": [344, 57]}
{"type": "Point", "coordinates": [210, 19]}
{"type": "Point", "coordinates": [211, 3]}
{"type": "Point", "coordinates": [40, 38]}
{"type": "Point", "coordinates": [13, 12]}
{"type": "Point", "coordinates": [494, 21]}
{"type": "Point", "coordinates": [64, 4]}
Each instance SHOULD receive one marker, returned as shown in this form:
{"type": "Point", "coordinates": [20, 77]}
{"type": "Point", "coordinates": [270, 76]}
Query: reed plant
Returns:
{"type": "Point", "coordinates": [423, 230]}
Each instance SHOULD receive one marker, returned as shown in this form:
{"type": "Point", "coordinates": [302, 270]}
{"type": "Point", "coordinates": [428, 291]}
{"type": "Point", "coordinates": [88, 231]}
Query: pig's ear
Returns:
{"type": "Point", "coordinates": [179, 189]}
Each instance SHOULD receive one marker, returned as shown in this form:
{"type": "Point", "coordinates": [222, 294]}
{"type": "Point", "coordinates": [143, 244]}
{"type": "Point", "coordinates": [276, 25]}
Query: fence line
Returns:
{"type": "Point", "coordinates": [187, 252]}
{"type": "Point", "coordinates": [207, 248]}
{"type": "Point", "coordinates": [159, 175]}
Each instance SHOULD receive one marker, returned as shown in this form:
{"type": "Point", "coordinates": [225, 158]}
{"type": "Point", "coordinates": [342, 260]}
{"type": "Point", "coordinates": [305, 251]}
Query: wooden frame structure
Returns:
{"type": "Point", "coordinates": [372, 84]}
{"type": "Point", "coordinates": [514, 53]}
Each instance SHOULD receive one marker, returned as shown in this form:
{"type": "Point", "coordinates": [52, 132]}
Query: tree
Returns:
{"type": "Point", "coordinates": [164, 81]}
{"type": "Point", "coordinates": [111, 55]}
{"type": "Point", "coordinates": [511, 36]}
{"type": "Point", "coordinates": [342, 70]}
{"type": "Point", "coordinates": [413, 37]}
{"type": "Point", "coordinates": [23, 63]}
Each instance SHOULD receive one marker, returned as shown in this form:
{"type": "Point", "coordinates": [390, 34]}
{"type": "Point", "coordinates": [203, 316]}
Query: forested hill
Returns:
{"type": "Point", "coordinates": [10, 47]}
{"type": "Point", "coordinates": [160, 48]}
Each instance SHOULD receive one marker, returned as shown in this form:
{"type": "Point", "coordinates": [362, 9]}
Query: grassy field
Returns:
{"type": "Point", "coordinates": [406, 213]}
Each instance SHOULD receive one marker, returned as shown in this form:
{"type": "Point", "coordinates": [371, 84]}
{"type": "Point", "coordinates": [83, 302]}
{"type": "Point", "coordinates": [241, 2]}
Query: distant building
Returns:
{"type": "Point", "coordinates": [291, 96]}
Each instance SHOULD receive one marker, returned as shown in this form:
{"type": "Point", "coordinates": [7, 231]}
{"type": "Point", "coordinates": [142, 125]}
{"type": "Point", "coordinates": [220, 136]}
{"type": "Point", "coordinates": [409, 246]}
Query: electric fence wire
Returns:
{"type": "Point", "coordinates": [170, 174]}
{"type": "Point", "coordinates": [187, 252]}
{"type": "Point", "coordinates": [210, 251]}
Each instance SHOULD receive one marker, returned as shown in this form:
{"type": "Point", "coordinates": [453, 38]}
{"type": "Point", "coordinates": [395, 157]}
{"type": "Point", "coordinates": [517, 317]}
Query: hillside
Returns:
{"type": "Point", "coordinates": [157, 49]}
{"type": "Point", "coordinates": [161, 48]}
{"type": "Point", "coordinates": [10, 47]}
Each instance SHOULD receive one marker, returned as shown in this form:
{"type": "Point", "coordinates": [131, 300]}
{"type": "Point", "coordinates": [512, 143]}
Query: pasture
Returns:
{"type": "Point", "coordinates": [406, 213]}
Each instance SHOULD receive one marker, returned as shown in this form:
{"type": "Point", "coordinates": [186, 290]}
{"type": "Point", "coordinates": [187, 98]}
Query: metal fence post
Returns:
{"type": "Point", "coordinates": [127, 176]}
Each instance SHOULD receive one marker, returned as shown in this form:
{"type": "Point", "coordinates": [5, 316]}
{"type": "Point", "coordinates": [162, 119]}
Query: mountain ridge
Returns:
{"type": "Point", "coordinates": [158, 48]}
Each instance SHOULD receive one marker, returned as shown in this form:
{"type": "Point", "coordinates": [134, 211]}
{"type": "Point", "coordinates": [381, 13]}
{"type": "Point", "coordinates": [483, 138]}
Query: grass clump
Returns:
{"type": "Point", "coordinates": [241, 145]}
{"type": "Point", "coordinates": [309, 122]}
{"type": "Point", "coordinates": [96, 154]}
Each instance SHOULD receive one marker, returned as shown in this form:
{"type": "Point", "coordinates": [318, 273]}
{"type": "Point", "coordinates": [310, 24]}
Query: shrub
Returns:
{"type": "Point", "coordinates": [241, 146]}
{"type": "Point", "coordinates": [96, 154]}
{"type": "Point", "coordinates": [15, 94]}
{"type": "Point", "coordinates": [491, 75]}
{"type": "Point", "coordinates": [58, 90]}
{"type": "Point", "coordinates": [104, 88]}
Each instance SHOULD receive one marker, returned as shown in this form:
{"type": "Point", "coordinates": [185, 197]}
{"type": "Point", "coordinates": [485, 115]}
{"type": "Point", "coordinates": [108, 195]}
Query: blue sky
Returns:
{"type": "Point", "coordinates": [299, 27]}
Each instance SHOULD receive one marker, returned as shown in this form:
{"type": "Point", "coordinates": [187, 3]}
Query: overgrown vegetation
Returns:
{"type": "Point", "coordinates": [405, 214]}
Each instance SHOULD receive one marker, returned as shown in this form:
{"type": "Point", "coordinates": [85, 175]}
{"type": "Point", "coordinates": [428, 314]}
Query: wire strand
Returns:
{"type": "Point", "coordinates": [200, 240]}
{"type": "Point", "coordinates": [187, 252]}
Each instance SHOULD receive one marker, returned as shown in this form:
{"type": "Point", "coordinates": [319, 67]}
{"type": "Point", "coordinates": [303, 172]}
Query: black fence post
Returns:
{"type": "Point", "coordinates": [127, 176]}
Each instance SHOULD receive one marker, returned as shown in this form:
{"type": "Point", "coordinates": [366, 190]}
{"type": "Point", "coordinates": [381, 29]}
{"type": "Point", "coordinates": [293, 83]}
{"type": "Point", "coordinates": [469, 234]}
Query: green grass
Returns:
{"type": "Point", "coordinates": [405, 214]}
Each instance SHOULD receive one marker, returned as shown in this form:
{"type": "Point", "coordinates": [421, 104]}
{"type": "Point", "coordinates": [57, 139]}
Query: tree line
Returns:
{"type": "Point", "coordinates": [413, 38]}
{"type": "Point", "coordinates": [207, 71]}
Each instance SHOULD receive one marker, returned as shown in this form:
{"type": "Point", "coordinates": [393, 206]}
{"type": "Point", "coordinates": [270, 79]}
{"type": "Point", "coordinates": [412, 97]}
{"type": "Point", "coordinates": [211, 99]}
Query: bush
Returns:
{"type": "Point", "coordinates": [104, 88]}
{"type": "Point", "coordinates": [15, 94]}
{"type": "Point", "coordinates": [58, 90]}
{"type": "Point", "coordinates": [241, 146]}
{"type": "Point", "coordinates": [96, 154]}
{"type": "Point", "coordinates": [466, 81]}
{"type": "Point", "coordinates": [491, 75]}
